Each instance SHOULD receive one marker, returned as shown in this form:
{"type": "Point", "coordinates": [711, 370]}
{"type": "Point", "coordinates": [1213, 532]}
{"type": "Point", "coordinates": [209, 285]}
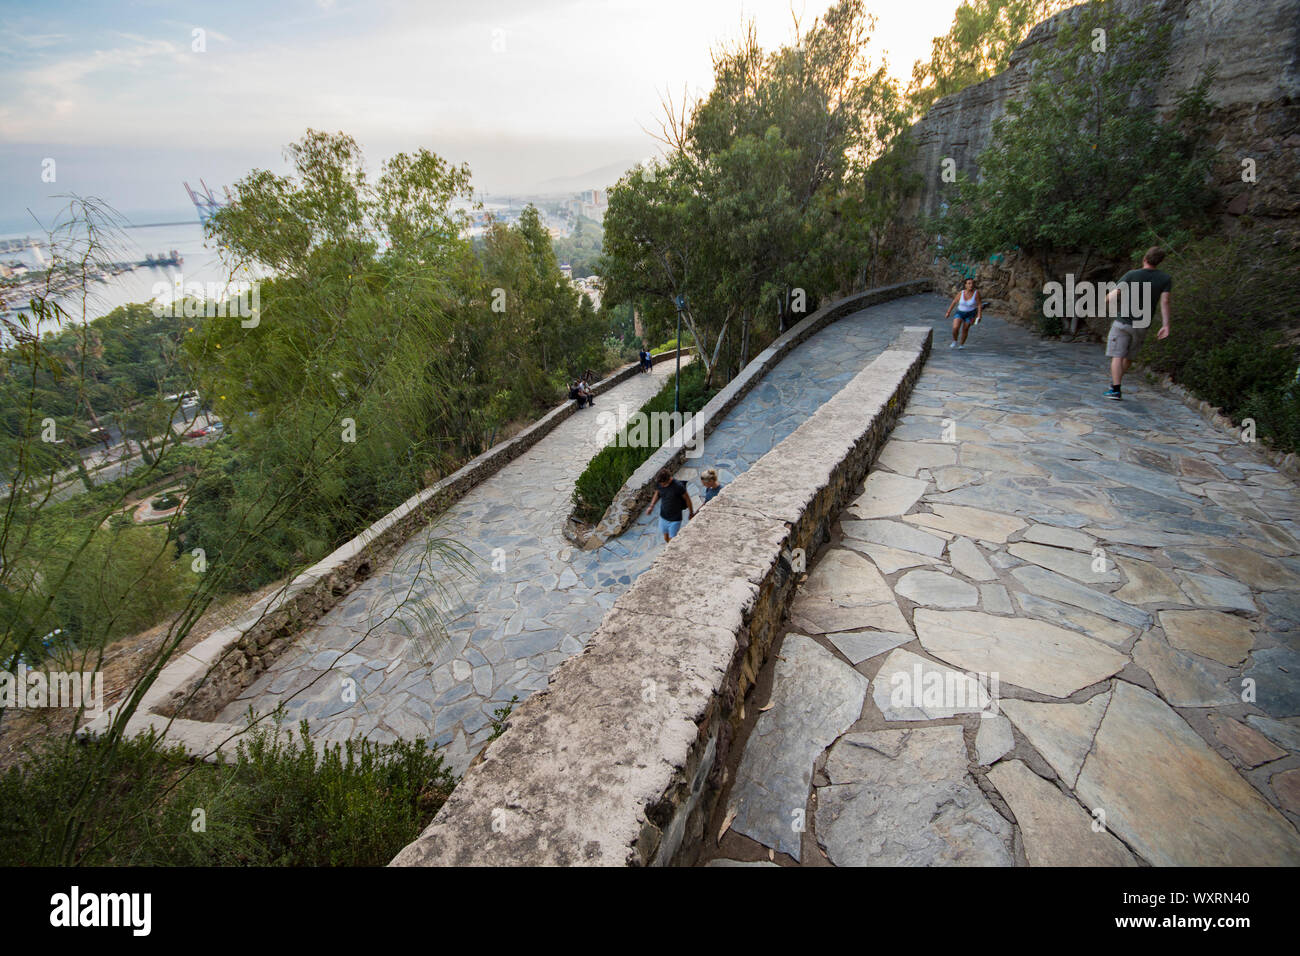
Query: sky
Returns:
{"type": "Point", "coordinates": [129, 98]}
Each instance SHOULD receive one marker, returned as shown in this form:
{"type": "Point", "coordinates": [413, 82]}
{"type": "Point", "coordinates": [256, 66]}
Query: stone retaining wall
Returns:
{"type": "Point", "coordinates": [1284, 461]}
{"type": "Point", "coordinates": [195, 686]}
{"type": "Point", "coordinates": [637, 490]}
{"type": "Point", "coordinates": [619, 761]}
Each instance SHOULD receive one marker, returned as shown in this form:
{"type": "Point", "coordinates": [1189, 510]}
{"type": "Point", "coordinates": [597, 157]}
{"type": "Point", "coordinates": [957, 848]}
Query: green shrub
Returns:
{"type": "Point", "coordinates": [277, 804]}
{"type": "Point", "coordinates": [613, 465]}
{"type": "Point", "coordinates": [668, 346]}
{"type": "Point", "coordinates": [1234, 325]}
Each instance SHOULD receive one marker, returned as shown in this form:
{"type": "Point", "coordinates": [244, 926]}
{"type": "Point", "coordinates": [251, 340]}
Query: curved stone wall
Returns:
{"type": "Point", "coordinates": [618, 762]}
{"type": "Point", "coordinates": [194, 687]}
{"type": "Point", "coordinates": [636, 491]}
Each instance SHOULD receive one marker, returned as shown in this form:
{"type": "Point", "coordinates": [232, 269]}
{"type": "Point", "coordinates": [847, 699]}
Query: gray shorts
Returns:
{"type": "Point", "coordinates": [1124, 341]}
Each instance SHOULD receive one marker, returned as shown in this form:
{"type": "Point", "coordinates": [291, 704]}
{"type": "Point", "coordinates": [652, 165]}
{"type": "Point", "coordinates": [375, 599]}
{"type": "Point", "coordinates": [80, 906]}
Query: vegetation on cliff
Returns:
{"type": "Point", "coordinates": [976, 47]}
{"type": "Point", "coordinates": [1083, 175]}
{"type": "Point", "coordinates": [1082, 163]}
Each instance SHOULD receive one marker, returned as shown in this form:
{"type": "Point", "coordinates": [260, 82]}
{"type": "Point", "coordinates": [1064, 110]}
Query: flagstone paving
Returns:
{"type": "Point", "coordinates": [371, 666]}
{"type": "Point", "coordinates": [1137, 703]}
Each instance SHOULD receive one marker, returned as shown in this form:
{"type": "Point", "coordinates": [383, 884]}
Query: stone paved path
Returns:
{"type": "Point", "coordinates": [529, 599]}
{"type": "Point", "coordinates": [1046, 612]}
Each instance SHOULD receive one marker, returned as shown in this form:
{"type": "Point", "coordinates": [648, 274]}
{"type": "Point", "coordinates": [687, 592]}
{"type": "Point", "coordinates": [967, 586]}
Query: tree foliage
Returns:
{"type": "Point", "coordinates": [1083, 163]}
{"type": "Point", "coordinates": [386, 352]}
{"type": "Point", "coordinates": [976, 47]}
{"type": "Point", "coordinates": [763, 203]}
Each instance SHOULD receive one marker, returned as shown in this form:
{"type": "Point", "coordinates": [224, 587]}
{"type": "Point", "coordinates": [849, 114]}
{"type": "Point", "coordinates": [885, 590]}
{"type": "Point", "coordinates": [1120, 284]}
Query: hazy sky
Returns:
{"type": "Point", "coordinates": [120, 96]}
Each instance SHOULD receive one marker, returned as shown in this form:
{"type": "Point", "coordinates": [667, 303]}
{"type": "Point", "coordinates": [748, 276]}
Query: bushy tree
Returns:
{"type": "Point", "coordinates": [1083, 163]}
{"type": "Point", "coordinates": [745, 215]}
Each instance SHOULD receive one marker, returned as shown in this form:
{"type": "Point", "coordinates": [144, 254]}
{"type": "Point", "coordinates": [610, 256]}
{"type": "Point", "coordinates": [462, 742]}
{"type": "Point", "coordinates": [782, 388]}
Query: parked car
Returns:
{"type": "Point", "coordinates": [197, 433]}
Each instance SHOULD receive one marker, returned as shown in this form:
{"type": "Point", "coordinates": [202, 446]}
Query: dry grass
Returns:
{"type": "Point", "coordinates": [124, 661]}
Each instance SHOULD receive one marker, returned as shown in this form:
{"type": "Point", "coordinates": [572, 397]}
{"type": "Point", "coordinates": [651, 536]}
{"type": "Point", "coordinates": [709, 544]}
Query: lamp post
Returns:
{"type": "Point", "coordinates": [677, 388]}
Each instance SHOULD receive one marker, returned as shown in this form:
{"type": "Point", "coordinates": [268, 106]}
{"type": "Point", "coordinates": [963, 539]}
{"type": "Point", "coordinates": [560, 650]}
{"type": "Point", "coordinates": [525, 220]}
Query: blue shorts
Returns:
{"type": "Point", "coordinates": [669, 528]}
{"type": "Point", "coordinates": [965, 316]}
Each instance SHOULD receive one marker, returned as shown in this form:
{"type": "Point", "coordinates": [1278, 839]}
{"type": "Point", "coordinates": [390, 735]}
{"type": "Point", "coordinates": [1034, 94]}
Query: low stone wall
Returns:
{"type": "Point", "coordinates": [637, 490]}
{"type": "Point", "coordinates": [1286, 462]}
{"type": "Point", "coordinates": [195, 686]}
{"type": "Point", "coordinates": [619, 761]}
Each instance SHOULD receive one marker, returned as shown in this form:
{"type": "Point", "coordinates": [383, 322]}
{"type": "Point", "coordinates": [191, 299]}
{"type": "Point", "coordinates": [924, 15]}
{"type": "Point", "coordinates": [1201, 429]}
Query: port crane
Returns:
{"type": "Point", "coordinates": [205, 202]}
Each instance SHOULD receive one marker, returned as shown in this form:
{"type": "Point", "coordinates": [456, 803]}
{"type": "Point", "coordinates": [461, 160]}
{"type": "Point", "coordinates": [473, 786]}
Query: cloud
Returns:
{"type": "Point", "coordinates": [576, 81]}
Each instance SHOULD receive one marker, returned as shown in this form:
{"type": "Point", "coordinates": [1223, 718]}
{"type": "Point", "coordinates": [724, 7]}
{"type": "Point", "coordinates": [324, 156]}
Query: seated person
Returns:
{"type": "Point", "coordinates": [577, 395]}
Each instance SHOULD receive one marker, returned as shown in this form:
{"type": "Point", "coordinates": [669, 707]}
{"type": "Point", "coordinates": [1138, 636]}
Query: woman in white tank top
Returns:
{"type": "Point", "coordinates": [969, 308]}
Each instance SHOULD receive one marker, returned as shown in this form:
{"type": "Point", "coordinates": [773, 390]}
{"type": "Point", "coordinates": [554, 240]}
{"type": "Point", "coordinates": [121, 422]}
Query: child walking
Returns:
{"type": "Point", "coordinates": [709, 479]}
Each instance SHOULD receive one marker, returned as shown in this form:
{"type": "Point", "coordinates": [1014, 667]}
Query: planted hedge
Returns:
{"type": "Point", "coordinates": [606, 473]}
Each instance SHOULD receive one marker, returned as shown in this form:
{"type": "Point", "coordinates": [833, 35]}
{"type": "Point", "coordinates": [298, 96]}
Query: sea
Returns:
{"type": "Point", "coordinates": [200, 264]}
{"type": "Point", "coordinates": [157, 234]}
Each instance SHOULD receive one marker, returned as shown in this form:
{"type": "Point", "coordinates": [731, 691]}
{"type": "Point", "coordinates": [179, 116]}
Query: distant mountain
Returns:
{"type": "Point", "coordinates": [600, 178]}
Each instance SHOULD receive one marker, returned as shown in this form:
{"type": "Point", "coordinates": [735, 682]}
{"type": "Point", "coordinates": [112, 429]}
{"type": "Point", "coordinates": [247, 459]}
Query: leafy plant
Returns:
{"type": "Point", "coordinates": [614, 464]}
{"type": "Point", "coordinates": [763, 204]}
{"type": "Point", "coordinates": [500, 715]}
{"type": "Point", "coordinates": [1082, 163]}
{"type": "Point", "coordinates": [976, 47]}
{"type": "Point", "coordinates": [282, 801]}
{"type": "Point", "coordinates": [1236, 325]}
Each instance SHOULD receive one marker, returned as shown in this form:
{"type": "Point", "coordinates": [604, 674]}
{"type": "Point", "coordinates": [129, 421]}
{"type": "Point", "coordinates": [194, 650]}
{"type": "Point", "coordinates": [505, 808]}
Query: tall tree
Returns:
{"type": "Point", "coordinates": [740, 217]}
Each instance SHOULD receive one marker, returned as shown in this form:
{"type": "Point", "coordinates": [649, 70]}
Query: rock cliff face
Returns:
{"type": "Point", "coordinates": [1255, 47]}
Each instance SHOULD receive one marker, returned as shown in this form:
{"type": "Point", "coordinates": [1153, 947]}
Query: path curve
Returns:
{"type": "Point", "coordinates": [533, 599]}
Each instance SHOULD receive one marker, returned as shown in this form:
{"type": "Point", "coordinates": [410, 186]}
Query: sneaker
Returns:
{"type": "Point", "coordinates": [952, 345]}
{"type": "Point", "coordinates": [1114, 393]}
{"type": "Point", "coordinates": [962, 346]}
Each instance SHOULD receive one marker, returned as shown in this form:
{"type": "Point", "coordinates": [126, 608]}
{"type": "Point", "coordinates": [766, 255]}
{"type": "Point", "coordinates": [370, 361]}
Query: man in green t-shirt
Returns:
{"type": "Point", "coordinates": [1147, 289]}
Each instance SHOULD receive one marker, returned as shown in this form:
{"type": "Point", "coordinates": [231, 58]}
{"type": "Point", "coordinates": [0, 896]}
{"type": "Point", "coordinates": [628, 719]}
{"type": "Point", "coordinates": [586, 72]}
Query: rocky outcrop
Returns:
{"type": "Point", "coordinates": [1254, 49]}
